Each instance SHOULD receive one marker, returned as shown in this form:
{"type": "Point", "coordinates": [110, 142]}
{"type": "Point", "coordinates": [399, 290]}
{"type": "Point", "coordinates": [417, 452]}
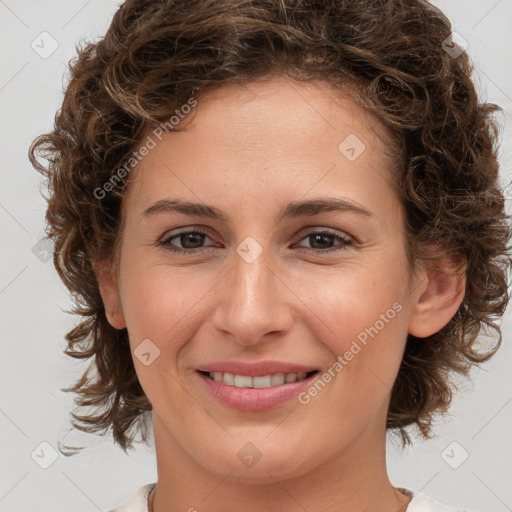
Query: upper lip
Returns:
{"type": "Point", "coordinates": [255, 369]}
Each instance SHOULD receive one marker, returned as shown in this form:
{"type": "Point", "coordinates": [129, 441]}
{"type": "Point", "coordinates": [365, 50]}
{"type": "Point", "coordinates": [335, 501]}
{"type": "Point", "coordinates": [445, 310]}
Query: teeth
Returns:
{"type": "Point", "coordinates": [264, 381]}
{"type": "Point", "coordinates": [277, 379]}
{"type": "Point", "coordinates": [242, 381]}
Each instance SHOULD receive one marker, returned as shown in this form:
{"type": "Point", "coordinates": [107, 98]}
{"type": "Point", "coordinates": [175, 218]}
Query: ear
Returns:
{"type": "Point", "coordinates": [440, 293]}
{"type": "Point", "coordinates": [109, 291]}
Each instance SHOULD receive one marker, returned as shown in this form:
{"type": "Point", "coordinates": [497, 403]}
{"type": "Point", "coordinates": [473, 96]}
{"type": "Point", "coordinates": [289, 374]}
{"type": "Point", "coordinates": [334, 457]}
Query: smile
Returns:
{"type": "Point", "coordinates": [255, 393]}
{"type": "Point", "coordinates": [263, 381]}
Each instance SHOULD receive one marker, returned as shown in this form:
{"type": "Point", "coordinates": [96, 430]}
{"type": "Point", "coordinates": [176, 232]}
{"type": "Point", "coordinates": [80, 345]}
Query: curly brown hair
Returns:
{"type": "Point", "coordinates": [157, 54]}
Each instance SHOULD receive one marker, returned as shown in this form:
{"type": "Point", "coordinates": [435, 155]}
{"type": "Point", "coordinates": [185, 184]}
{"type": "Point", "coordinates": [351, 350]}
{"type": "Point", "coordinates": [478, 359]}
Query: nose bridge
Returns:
{"type": "Point", "coordinates": [253, 303]}
{"type": "Point", "coordinates": [252, 280]}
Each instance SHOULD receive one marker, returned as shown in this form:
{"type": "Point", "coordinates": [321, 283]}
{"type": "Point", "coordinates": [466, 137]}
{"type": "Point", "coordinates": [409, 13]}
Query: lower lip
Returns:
{"type": "Point", "coordinates": [255, 399]}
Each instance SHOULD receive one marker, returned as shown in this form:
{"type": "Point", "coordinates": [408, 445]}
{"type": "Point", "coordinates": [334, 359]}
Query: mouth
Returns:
{"type": "Point", "coordinates": [257, 393]}
{"type": "Point", "coordinates": [262, 381]}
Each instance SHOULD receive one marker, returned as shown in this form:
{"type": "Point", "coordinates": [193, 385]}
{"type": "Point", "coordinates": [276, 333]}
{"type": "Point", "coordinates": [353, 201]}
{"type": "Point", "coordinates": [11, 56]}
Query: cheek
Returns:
{"type": "Point", "coordinates": [361, 318]}
{"type": "Point", "coordinates": [159, 305]}
{"type": "Point", "coordinates": [349, 301]}
{"type": "Point", "coordinates": [158, 301]}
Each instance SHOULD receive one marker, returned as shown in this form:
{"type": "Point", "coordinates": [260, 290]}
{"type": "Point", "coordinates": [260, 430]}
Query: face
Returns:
{"type": "Point", "coordinates": [303, 265]}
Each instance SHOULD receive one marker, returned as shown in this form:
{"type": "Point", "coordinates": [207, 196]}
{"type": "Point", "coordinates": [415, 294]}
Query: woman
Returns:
{"type": "Point", "coordinates": [201, 146]}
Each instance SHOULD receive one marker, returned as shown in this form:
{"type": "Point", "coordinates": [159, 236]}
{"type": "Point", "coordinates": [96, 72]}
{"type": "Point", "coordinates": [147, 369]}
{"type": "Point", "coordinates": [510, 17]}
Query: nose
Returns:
{"type": "Point", "coordinates": [255, 301]}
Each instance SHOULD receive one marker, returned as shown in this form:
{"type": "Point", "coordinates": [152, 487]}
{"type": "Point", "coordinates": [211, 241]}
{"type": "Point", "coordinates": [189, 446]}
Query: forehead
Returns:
{"type": "Point", "coordinates": [264, 136]}
{"type": "Point", "coordinates": [256, 112]}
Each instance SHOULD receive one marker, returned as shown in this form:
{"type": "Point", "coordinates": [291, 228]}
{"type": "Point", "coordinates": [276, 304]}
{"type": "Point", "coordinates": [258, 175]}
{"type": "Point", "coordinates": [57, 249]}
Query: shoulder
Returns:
{"type": "Point", "coordinates": [423, 503]}
{"type": "Point", "coordinates": [136, 502]}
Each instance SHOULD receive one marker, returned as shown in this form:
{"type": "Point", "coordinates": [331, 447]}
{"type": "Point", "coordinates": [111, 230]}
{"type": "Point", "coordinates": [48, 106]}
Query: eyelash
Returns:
{"type": "Point", "coordinates": [345, 242]}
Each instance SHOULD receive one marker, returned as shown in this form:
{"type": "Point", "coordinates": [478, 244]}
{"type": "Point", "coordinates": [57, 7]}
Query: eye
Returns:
{"type": "Point", "coordinates": [321, 241]}
{"type": "Point", "coordinates": [191, 241]}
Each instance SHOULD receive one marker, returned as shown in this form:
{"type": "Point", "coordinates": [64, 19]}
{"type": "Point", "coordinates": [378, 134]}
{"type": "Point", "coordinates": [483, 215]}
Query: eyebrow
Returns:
{"type": "Point", "coordinates": [293, 209]}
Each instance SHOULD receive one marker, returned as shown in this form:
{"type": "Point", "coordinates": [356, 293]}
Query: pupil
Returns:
{"type": "Point", "coordinates": [318, 238]}
{"type": "Point", "coordinates": [187, 237]}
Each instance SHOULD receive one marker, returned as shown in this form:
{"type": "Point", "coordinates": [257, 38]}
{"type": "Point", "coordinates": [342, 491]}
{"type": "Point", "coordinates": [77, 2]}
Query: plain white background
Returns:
{"type": "Point", "coordinates": [470, 462]}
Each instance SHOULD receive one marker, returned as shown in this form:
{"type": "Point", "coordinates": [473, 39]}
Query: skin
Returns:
{"type": "Point", "coordinates": [249, 151]}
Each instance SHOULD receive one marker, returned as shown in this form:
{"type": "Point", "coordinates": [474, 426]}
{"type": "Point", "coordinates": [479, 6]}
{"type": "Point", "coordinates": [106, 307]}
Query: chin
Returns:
{"type": "Point", "coordinates": [263, 472]}
{"type": "Point", "coordinates": [262, 461]}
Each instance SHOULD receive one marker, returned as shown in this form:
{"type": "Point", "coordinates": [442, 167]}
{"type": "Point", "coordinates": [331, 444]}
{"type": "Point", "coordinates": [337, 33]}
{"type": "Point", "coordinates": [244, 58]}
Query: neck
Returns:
{"type": "Point", "coordinates": [353, 480]}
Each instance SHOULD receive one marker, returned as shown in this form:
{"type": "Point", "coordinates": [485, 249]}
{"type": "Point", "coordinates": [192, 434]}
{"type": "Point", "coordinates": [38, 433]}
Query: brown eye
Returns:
{"type": "Point", "coordinates": [322, 241]}
{"type": "Point", "coordinates": [190, 241]}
